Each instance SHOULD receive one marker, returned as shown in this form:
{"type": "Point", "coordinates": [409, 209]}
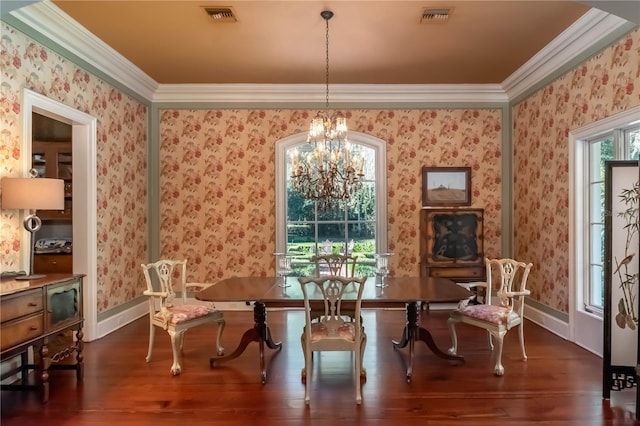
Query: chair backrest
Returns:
{"type": "Point", "coordinates": [332, 290]}
{"type": "Point", "coordinates": [335, 264]}
{"type": "Point", "coordinates": [508, 278]}
{"type": "Point", "coordinates": [164, 278]}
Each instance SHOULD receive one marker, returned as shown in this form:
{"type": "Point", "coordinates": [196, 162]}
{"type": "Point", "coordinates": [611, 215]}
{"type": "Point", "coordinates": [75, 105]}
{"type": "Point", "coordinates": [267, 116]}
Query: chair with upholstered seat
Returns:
{"type": "Point", "coordinates": [169, 310]}
{"type": "Point", "coordinates": [331, 332]}
{"type": "Point", "coordinates": [335, 264]}
{"type": "Point", "coordinates": [508, 278]}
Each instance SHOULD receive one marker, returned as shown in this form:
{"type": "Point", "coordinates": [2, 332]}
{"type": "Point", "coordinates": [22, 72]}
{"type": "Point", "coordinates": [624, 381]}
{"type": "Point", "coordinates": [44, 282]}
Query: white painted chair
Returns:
{"type": "Point", "coordinates": [169, 310]}
{"type": "Point", "coordinates": [331, 332]}
{"type": "Point", "coordinates": [508, 278]}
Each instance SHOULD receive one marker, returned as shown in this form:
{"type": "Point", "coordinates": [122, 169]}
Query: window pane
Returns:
{"type": "Point", "coordinates": [300, 232]}
{"type": "Point", "coordinates": [596, 297]}
{"type": "Point", "coordinates": [336, 212]}
{"type": "Point", "coordinates": [597, 244]}
{"type": "Point", "coordinates": [367, 156]}
{"type": "Point", "coordinates": [633, 136]}
{"type": "Point", "coordinates": [363, 204]}
{"type": "Point", "coordinates": [596, 205]}
{"type": "Point", "coordinates": [298, 208]}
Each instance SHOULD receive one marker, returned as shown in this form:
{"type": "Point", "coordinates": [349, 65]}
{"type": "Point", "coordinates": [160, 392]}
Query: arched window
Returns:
{"type": "Point", "coordinates": [357, 226]}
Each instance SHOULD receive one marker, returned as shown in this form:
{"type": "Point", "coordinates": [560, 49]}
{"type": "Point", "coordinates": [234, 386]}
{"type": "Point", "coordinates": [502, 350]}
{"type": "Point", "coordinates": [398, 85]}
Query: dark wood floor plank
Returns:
{"type": "Point", "coordinates": [560, 384]}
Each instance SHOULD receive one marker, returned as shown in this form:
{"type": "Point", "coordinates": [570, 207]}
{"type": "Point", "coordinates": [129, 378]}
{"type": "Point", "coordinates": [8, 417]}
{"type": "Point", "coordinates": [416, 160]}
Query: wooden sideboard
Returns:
{"type": "Point", "coordinates": [451, 244]}
{"type": "Point", "coordinates": [45, 314]}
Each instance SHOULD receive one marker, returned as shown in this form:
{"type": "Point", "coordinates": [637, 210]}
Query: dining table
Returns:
{"type": "Point", "coordinates": [410, 293]}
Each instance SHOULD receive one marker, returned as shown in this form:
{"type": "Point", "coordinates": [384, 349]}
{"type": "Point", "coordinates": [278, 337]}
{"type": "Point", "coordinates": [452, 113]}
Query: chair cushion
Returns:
{"type": "Point", "coordinates": [346, 331]}
{"type": "Point", "coordinates": [489, 313]}
{"type": "Point", "coordinates": [182, 313]}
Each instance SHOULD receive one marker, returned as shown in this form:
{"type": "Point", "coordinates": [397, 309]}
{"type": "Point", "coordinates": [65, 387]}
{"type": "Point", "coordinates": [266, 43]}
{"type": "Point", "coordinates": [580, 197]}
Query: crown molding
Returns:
{"type": "Point", "coordinates": [584, 35]}
{"type": "Point", "coordinates": [587, 32]}
{"type": "Point", "coordinates": [341, 94]}
{"type": "Point", "coordinates": [50, 21]}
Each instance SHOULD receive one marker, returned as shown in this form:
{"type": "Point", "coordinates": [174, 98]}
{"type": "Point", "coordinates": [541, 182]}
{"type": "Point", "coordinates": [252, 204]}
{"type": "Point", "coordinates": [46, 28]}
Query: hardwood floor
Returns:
{"type": "Point", "coordinates": [560, 384]}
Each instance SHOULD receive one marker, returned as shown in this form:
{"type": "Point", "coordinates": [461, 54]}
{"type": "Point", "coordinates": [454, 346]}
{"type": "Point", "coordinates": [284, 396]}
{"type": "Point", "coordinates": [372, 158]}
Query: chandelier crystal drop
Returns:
{"type": "Point", "coordinates": [330, 172]}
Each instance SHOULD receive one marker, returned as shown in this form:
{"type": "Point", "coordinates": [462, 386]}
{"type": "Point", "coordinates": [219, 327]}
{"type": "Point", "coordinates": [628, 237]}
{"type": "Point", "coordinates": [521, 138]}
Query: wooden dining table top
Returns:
{"type": "Point", "coordinates": [269, 290]}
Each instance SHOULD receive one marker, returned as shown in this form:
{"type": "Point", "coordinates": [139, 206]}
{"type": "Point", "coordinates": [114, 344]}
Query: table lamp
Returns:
{"type": "Point", "coordinates": [32, 193]}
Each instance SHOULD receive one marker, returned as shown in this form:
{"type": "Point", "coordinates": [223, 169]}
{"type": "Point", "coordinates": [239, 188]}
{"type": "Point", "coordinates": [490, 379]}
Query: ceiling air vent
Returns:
{"type": "Point", "coordinates": [220, 14]}
{"type": "Point", "coordinates": [435, 15]}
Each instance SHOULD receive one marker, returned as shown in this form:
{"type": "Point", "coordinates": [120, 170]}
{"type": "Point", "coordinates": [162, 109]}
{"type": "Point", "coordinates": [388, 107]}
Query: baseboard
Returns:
{"type": "Point", "coordinates": [546, 321]}
{"type": "Point", "coordinates": [122, 318]}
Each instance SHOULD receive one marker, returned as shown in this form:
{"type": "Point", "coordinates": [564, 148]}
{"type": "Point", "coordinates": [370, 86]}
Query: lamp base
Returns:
{"type": "Point", "coordinates": [29, 277]}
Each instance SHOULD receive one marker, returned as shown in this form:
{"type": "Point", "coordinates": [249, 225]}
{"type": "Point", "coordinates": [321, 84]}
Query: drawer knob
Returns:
{"type": "Point", "coordinates": [33, 328]}
{"type": "Point", "coordinates": [33, 304]}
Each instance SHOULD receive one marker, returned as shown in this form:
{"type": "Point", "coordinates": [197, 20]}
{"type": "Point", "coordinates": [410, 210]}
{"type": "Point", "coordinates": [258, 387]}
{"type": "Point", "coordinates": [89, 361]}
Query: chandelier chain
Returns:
{"type": "Point", "coordinates": [326, 76]}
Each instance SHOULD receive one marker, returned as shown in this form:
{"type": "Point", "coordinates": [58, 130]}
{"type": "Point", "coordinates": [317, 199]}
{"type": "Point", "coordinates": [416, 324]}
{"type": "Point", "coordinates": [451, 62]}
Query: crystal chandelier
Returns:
{"type": "Point", "coordinates": [330, 172]}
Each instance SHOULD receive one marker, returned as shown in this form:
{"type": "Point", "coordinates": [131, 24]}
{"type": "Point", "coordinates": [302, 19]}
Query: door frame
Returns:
{"type": "Point", "coordinates": [84, 204]}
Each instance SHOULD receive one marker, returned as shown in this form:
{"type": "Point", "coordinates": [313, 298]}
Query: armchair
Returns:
{"type": "Point", "coordinates": [508, 278]}
{"type": "Point", "coordinates": [169, 310]}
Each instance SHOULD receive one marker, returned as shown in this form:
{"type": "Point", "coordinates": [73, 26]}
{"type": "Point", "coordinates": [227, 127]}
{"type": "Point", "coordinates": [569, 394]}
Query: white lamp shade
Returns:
{"type": "Point", "coordinates": [32, 193]}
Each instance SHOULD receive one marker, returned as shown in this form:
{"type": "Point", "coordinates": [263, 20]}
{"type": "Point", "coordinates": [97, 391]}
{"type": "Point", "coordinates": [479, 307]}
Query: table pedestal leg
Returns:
{"type": "Point", "coordinates": [259, 333]}
{"type": "Point", "coordinates": [412, 332]}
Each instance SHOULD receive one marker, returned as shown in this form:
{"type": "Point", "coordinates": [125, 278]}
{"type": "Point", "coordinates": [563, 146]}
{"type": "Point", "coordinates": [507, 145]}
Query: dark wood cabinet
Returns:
{"type": "Point", "coordinates": [45, 314]}
{"type": "Point", "coordinates": [52, 263]}
{"type": "Point", "coordinates": [452, 244]}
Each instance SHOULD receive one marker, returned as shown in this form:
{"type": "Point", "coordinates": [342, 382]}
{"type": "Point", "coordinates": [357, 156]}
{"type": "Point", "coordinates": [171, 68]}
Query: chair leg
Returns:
{"type": "Point", "coordinates": [499, 369]}
{"type": "Point", "coordinates": [363, 371]}
{"type": "Point", "coordinates": [356, 377]}
{"type": "Point", "coordinates": [219, 348]}
{"type": "Point", "coordinates": [303, 373]}
{"type": "Point", "coordinates": [521, 333]}
{"type": "Point", "coordinates": [453, 350]}
{"type": "Point", "coordinates": [308, 370]}
{"type": "Point", "coordinates": [490, 337]}
{"type": "Point", "coordinates": [152, 333]}
{"type": "Point", "coordinates": [176, 346]}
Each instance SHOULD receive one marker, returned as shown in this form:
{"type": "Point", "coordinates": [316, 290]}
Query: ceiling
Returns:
{"type": "Point", "coordinates": [148, 43]}
{"type": "Point", "coordinates": [283, 42]}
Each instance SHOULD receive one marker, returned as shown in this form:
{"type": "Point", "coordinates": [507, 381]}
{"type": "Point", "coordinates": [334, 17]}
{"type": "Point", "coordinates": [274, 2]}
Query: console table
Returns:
{"type": "Point", "coordinates": [43, 314]}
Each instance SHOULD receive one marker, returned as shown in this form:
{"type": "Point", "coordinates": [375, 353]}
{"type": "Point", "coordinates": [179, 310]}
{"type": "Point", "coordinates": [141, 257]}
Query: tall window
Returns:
{"type": "Point", "coordinates": [618, 144]}
{"type": "Point", "coordinates": [356, 226]}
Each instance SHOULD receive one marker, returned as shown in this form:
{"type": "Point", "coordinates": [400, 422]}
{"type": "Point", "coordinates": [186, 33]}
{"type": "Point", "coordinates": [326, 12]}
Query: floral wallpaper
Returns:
{"type": "Point", "coordinates": [604, 85]}
{"type": "Point", "coordinates": [217, 183]}
{"type": "Point", "coordinates": [121, 160]}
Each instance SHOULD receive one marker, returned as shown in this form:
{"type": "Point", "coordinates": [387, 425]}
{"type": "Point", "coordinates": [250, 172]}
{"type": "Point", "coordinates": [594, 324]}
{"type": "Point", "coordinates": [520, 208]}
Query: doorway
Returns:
{"type": "Point", "coordinates": [84, 222]}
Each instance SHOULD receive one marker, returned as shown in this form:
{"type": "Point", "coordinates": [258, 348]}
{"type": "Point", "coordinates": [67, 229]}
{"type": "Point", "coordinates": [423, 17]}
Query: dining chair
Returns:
{"type": "Point", "coordinates": [331, 332]}
{"type": "Point", "coordinates": [508, 278]}
{"type": "Point", "coordinates": [169, 310]}
{"type": "Point", "coordinates": [335, 264]}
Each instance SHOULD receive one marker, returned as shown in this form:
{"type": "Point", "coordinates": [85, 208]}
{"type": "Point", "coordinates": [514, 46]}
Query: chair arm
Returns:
{"type": "Point", "coordinates": [162, 294]}
{"type": "Point", "coordinates": [472, 285]}
{"type": "Point", "coordinates": [517, 293]}
{"type": "Point", "coordinates": [199, 286]}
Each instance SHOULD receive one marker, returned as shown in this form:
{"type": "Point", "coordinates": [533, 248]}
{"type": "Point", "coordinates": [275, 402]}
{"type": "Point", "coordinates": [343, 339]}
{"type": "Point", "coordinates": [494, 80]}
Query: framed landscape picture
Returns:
{"type": "Point", "coordinates": [446, 186]}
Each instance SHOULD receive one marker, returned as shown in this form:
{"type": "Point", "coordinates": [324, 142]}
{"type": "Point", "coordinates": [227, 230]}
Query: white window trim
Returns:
{"type": "Point", "coordinates": [585, 329]}
{"type": "Point", "coordinates": [380, 148]}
